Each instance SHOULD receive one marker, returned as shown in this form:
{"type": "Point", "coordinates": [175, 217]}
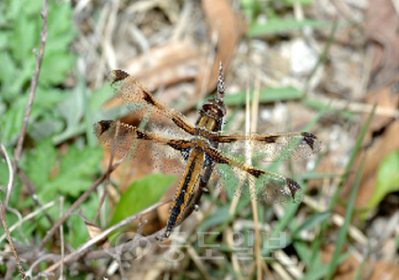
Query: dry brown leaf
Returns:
{"type": "Point", "coordinates": [179, 61]}
{"type": "Point", "coordinates": [372, 270]}
{"type": "Point", "coordinates": [381, 27]}
{"type": "Point", "coordinates": [229, 28]}
{"type": "Point", "coordinates": [382, 146]}
{"type": "Point", "coordinates": [93, 230]}
{"type": "Point", "coordinates": [384, 98]}
{"type": "Point", "coordinates": [166, 65]}
{"type": "Point", "coordinates": [346, 270]}
{"type": "Point", "coordinates": [384, 270]}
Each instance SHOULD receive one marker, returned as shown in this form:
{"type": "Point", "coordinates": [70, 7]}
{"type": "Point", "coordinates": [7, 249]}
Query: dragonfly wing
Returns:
{"type": "Point", "coordinates": [270, 147]}
{"type": "Point", "coordinates": [239, 178]}
{"type": "Point", "coordinates": [161, 154]}
{"type": "Point", "coordinates": [146, 107]}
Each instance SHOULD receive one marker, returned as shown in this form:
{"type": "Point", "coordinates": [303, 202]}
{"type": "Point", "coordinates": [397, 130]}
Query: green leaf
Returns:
{"type": "Point", "coordinates": [72, 110]}
{"type": "Point", "coordinates": [43, 105]}
{"type": "Point", "coordinates": [9, 77]}
{"type": "Point", "coordinates": [61, 14]}
{"type": "Point", "coordinates": [55, 66]}
{"type": "Point", "coordinates": [250, 8]}
{"type": "Point", "coordinates": [45, 128]}
{"type": "Point", "coordinates": [76, 170]}
{"type": "Point", "coordinates": [387, 178]}
{"type": "Point", "coordinates": [7, 71]}
{"type": "Point", "coordinates": [25, 34]}
{"type": "Point", "coordinates": [140, 195]}
{"type": "Point", "coordinates": [58, 60]}
{"type": "Point", "coordinates": [266, 95]}
{"type": "Point", "coordinates": [14, 9]}
{"type": "Point", "coordinates": [99, 97]}
{"type": "Point", "coordinates": [11, 122]}
{"type": "Point", "coordinates": [46, 100]}
{"type": "Point", "coordinates": [40, 162]}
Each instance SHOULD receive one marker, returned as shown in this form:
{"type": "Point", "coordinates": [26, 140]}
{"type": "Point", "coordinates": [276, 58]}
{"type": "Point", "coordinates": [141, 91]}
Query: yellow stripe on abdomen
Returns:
{"type": "Point", "coordinates": [185, 190]}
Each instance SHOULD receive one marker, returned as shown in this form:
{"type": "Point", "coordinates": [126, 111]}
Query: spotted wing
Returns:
{"type": "Point", "coordinates": [269, 147]}
{"type": "Point", "coordinates": [161, 154]}
{"type": "Point", "coordinates": [239, 178]}
{"type": "Point", "coordinates": [159, 116]}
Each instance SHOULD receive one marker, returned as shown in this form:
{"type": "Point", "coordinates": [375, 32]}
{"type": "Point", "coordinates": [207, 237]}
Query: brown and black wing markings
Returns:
{"type": "Point", "coordinates": [238, 177]}
{"type": "Point", "coordinates": [270, 147]}
{"type": "Point", "coordinates": [141, 102]}
{"type": "Point", "coordinates": [161, 154]}
{"type": "Point", "coordinates": [137, 145]}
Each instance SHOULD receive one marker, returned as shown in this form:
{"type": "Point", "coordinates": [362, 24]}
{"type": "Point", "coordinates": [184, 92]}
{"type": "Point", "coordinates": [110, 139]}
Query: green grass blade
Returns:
{"type": "Point", "coordinates": [317, 243]}
{"type": "Point", "coordinates": [344, 229]}
{"type": "Point", "coordinates": [266, 95]}
{"type": "Point", "coordinates": [321, 270]}
{"type": "Point", "coordinates": [360, 269]}
{"type": "Point", "coordinates": [291, 208]}
{"type": "Point", "coordinates": [312, 221]}
{"type": "Point", "coordinates": [281, 25]}
{"type": "Point", "coordinates": [322, 56]}
{"type": "Point", "coordinates": [355, 150]}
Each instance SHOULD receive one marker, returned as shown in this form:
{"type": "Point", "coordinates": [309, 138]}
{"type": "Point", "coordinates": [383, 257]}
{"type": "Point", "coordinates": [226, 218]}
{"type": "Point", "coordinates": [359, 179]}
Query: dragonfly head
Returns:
{"type": "Point", "coordinates": [214, 108]}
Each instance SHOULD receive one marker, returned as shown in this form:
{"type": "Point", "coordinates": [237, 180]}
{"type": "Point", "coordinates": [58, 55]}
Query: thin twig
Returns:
{"type": "Point", "coordinates": [10, 270]}
{"type": "Point", "coordinates": [19, 216]}
{"type": "Point", "coordinates": [62, 240]}
{"type": "Point", "coordinates": [76, 254]}
{"type": "Point", "coordinates": [3, 219]}
{"type": "Point", "coordinates": [251, 126]}
{"type": "Point", "coordinates": [31, 189]}
{"type": "Point", "coordinates": [79, 201]}
{"type": "Point", "coordinates": [122, 271]}
{"type": "Point", "coordinates": [141, 242]}
{"type": "Point", "coordinates": [18, 150]}
{"type": "Point", "coordinates": [29, 216]}
{"type": "Point", "coordinates": [37, 258]}
{"type": "Point", "coordinates": [10, 169]}
{"type": "Point", "coordinates": [198, 261]}
{"type": "Point", "coordinates": [33, 85]}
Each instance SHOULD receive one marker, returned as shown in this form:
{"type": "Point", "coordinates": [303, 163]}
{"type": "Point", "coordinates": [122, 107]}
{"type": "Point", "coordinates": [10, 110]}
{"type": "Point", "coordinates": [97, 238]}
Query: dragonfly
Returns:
{"type": "Point", "coordinates": [195, 152]}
